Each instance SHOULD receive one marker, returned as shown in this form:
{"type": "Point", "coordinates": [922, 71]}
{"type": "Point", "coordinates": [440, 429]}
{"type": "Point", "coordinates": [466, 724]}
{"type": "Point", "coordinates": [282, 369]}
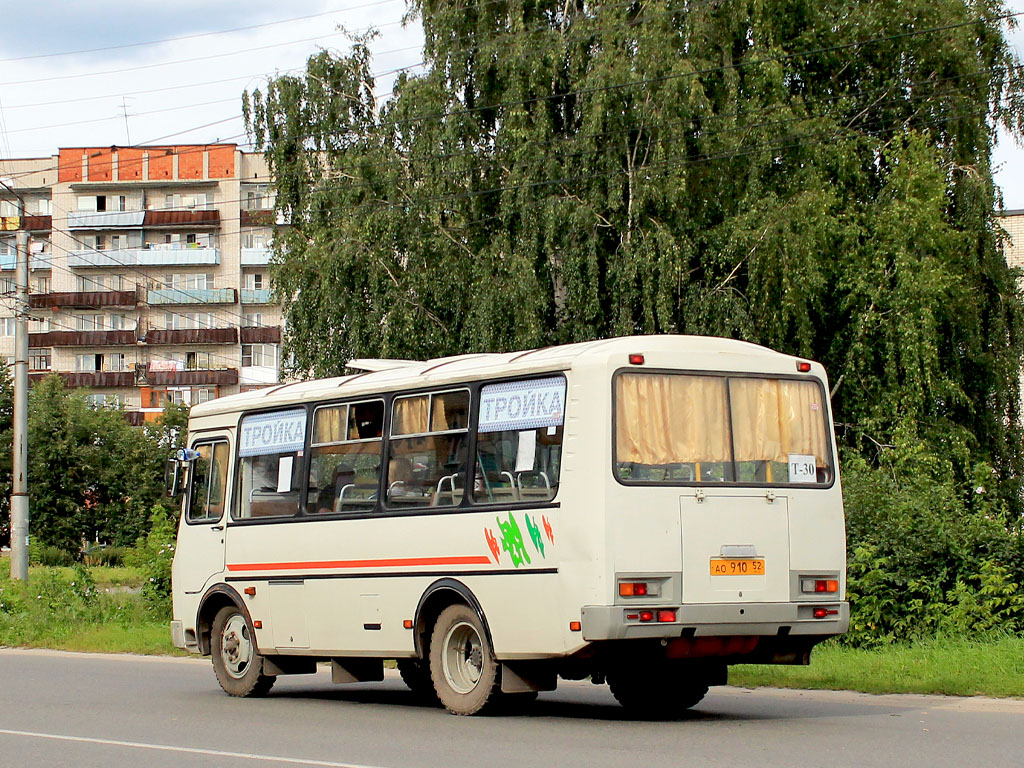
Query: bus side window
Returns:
{"type": "Point", "coordinates": [427, 450]}
{"type": "Point", "coordinates": [209, 483]}
{"type": "Point", "coordinates": [345, 456]}
{"type": "Point", "coordinates": [519, 441]}
{"type": "Point", "coordinates": [270, 465]}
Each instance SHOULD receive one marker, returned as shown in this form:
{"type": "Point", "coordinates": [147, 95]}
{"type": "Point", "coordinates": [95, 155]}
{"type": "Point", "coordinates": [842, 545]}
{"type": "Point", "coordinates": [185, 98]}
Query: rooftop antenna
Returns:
{"type": "Point", "coordinates": [124, 109]}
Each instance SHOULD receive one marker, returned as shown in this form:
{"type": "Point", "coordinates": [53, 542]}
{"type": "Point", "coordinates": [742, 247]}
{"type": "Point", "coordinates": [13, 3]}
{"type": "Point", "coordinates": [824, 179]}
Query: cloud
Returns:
{"type": "Point", "coordinates": [71, 25]}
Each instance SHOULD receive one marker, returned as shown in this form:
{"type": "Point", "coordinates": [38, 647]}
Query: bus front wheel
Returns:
{"type": "Point", "coordinates": [236, 662]}
{"type": "Point", "coordinates": [462, 664]}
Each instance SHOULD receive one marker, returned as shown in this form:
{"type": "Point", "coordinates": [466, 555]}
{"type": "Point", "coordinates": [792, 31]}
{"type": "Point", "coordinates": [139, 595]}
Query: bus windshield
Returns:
{"type": "Point", "coordinates": [675, 428]}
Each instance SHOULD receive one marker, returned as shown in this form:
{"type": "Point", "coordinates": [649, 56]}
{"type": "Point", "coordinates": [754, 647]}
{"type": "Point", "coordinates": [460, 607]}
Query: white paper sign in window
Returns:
{"type": "Point", "coordinates": [278, 432]}
{"type": "Point", "coordinates": [522, 405]}
{"type": "Point", "coordinates": [802, 468]}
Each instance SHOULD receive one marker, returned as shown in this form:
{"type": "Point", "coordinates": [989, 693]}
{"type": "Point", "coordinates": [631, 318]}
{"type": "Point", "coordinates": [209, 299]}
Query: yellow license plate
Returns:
{"type": "Point", "coordinates": [721, 566]}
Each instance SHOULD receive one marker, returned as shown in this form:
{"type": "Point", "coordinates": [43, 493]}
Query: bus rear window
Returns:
{"type": "Point", "coordinates": [683, 428]}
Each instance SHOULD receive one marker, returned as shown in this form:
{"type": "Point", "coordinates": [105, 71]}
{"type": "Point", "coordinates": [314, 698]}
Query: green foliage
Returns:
{"type": "Point", "coordinates": [810, 176]}
{"type": "Point", "coordinates": [100, 554]}
{"type": "Point", "coordinates": [6, 447]}
{"type": "Point", "coordinates": [152, 556]}
{"type": "Point", "coordinates": [927, 557]}
{"type": "Point", "coordinates": [58, 605]}
{"type": "Point", "coordinates": [44, 554]}
{"type": "Point", "coordinates": [93, 477]}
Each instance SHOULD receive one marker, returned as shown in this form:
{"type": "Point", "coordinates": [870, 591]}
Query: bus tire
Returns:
{"type": "Point", "coordinates": [462, 664]}
{"type": "Point", "coordinates": [656, 694]}
{"type": "Point", "coordinates": [416, 675]}
{"type": "Point", "coordinates": [236, 662]}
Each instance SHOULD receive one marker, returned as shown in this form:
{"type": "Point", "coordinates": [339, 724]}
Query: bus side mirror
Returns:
{"type": "Point", "coordinates": [172, 478]}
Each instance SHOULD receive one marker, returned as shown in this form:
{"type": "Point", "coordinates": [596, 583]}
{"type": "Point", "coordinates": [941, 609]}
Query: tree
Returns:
{"type": "Point", "coordinates": [6, 454]}
{"type": "Point", "coordinates": [810, 176]}
{"type": "Point", "coordinates": [92, 476]}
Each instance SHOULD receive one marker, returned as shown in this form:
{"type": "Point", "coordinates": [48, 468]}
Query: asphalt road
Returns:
{"type": "Point", "coordinates": [80, 711]}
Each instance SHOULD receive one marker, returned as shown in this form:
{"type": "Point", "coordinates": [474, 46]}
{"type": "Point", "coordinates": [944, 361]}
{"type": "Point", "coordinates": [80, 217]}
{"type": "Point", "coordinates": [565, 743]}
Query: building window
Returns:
{"type": "Point", "coordinates": [253, 319]}
{"type": "Point", "coordinates": [7, 285]}
{"type": "Point", "coordinates": [118, 322]}
{"type": "Point", "coordinates": [262, 355]}
{"type": "Point", "coordinates": [254, 281]}
{"type": "Point", "coordinates": [42, 284]}
{"type": "Point", "coordinates": [189, 282]}
{"type": "Point", "coordinates": [99, 283]}
{"type": "Point", "coordinates": [38, 324]}
{"type": "Point", "coordinates": [87, 363]}
{"type": "Point", "coordinates": [113, 361]}
{"type": "Point", "coordinates": [255, 239]}
{"type": "Point", "coordinates": [39, 359]}
{"type": "Point", "coordinates": [188, 320]}
{"type": "Point", "coordinates": [199, 361]}
{"type": "Point", "coordinates": [89, 322]}
{"type": "Point", "coordinates": [7, 325]}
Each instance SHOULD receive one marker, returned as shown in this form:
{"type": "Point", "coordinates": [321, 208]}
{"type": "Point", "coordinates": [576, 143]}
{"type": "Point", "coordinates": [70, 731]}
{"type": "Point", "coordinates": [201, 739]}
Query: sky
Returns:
{"type": "Point", "coordinates": [105, 72]}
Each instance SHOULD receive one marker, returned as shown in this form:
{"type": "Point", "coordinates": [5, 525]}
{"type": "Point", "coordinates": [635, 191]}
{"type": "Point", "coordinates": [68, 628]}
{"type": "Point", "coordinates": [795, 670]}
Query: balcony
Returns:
{"type": "Point", "coordinates": [257, 296]}
{"type": "Point", "coordinates": [28, 223]}
{"type": "Point", "coordinates": [162, 296]}
{"type": "Point", "coordinates": [81, 339]}
{"type": "Point", "coordinates": [256, 257]}
{"type": "Point", "coordinates": [203, 377]}
{"type": "Point", "coordinates": [134, 418]}
{"type": "Point", "coordinates": [106, 219]}
{"type": "Point", "coordinates": [187, 219]}
{"type": "Point", "coordinates": [192, 336]}
{"type": "Point", "coordinates": [256, 217]}
{"type": "Point", "coordinates": [82, 299]}
{"type": "Point", "coordinates": [144, 257]}
{"type": "Point", "coordinates": [261, 335]}
{"type": "Point", "coordinates": [35, 261]}
{"type": "Point", "coordinates": [93, 379]}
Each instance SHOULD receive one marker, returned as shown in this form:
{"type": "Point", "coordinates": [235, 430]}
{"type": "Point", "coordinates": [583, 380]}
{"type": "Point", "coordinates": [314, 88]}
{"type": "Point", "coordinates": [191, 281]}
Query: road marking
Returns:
{"type": "Point", "coordinates": [189, 750]}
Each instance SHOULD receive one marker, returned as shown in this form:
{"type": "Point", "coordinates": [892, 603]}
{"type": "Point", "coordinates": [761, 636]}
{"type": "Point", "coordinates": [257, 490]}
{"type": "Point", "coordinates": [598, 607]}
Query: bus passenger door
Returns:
{"type": "Point", "coordinates": [200, 549]}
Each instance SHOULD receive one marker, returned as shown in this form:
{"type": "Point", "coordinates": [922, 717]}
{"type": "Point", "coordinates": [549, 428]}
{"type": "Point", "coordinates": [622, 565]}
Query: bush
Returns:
{"type": "Point", "coordinates": [927, 557]}
{"type": "Point", "coordinates": [102, 554]}
{"type": "Point", "coordinates": [49, 556]}
{"type": "Point", "coordinates": [153, 555]}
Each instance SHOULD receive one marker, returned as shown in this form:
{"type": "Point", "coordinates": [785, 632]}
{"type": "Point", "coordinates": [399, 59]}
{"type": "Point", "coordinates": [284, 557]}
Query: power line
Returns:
{"type": "Point", "coordinates": [190, 60]}
{"type": "Point", "coordinates": [179, 38]}
{"type": "Point", "coordinates": [663, 78]}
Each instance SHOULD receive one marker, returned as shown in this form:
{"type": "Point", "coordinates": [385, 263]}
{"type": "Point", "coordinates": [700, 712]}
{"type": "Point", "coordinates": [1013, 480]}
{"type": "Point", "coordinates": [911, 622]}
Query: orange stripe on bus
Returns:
{"type": "Point", "coordinates": [384, 563]}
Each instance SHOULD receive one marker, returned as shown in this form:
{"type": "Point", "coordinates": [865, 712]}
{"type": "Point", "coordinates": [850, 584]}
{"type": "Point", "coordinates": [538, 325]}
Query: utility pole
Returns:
{"type": "Point", "coordinates": [19, 489]}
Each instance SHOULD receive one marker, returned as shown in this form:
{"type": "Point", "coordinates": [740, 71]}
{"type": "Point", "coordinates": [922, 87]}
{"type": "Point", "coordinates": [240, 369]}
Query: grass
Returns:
{"type": "Point", "coordinates": [991, 666]}
{"type": "Point", "coordinates": [56, 610]}
{"type": "Point", "coordinates": [53, 613]}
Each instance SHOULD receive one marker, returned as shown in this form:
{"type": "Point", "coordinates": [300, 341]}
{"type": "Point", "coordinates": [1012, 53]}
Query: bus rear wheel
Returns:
{"type": "Point", "coordinates": [658, 693]}
{"type": "Point", "coordinates": [416, 675]}
{"type": "Point", "coordinates": [462, 664]}
{"type": "Point", "coordinates": [236, 662]}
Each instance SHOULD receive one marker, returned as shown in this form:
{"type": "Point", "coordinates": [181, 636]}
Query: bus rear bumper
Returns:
{"type": "Point", "coordinates": [613, 622]}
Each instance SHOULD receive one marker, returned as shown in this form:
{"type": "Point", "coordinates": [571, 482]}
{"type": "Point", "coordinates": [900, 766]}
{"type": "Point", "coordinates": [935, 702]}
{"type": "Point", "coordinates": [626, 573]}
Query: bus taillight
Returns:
{"type": "Point", "coordinates": [638, 589]}
{"type": "Point", "coordinates": [819, 585]}
{"type": "Point", "coordinates": [666, 616]}
{"type": "Point", "coordinates": [803, 367]}
{"type": "Point", "coordinates": [636, 359]}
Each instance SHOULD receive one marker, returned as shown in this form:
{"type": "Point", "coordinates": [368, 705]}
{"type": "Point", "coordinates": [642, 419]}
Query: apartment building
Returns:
{"type": "Point", "coordinates": [148, 272]}
{"type": "Point", "coordinates": [1013, 223]}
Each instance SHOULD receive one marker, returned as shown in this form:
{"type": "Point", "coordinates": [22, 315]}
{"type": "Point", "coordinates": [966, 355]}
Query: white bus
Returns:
{"type": "Point", "coordinates": [644, 511]}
